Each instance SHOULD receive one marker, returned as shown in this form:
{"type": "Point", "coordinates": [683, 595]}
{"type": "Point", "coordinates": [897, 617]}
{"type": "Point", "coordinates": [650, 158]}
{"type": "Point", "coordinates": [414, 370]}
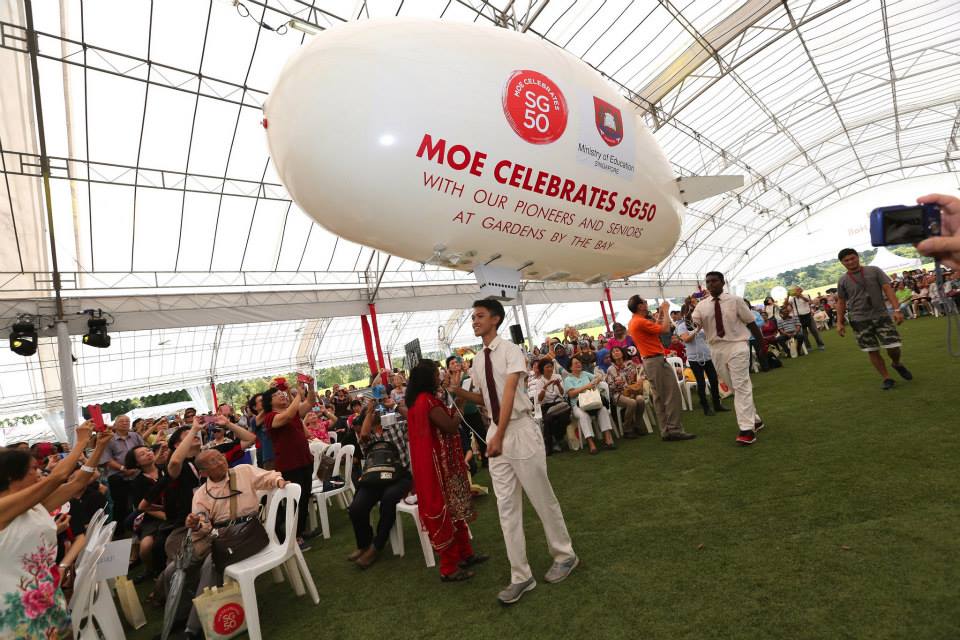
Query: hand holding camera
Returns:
{"type": "Point", "coordinates": [946, 247]}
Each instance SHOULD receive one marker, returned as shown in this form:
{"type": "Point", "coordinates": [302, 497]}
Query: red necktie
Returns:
{"type": "Point", "coordinates": [719, 315]}
{"type": "Point", "coordinates": [491, 387]}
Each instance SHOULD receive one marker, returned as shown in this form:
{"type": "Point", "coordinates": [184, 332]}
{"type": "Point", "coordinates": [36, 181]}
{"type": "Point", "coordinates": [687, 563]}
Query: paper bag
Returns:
{"type": "Point", "coordinates": [129, 602]}
{"type": "Point", "coordinates": [221, 612]}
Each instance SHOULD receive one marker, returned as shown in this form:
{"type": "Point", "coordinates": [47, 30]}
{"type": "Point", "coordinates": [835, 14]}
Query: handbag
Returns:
{"type": "Point", "coordinates": [381, 465]}
{"type": "Point", "coordinates": [325, 468]}
{"type": "Point", "coordinates": [238, 540]}
{"type": "Point", "coordinates": [558, 411]}
{"type": "Point", "coordinates": [221, 613]}
{"type": "Point", "coordinates": [130, 602]}
{"type": "Point", "coordinates": [590, 400]}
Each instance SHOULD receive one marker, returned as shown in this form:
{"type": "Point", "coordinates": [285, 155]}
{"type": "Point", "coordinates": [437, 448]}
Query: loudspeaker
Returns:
{"type": "Point", "coordinates": [516, 334]}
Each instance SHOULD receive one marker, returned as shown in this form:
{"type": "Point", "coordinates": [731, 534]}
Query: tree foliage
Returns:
{"type": "Point", "coordinates": [814, 275]}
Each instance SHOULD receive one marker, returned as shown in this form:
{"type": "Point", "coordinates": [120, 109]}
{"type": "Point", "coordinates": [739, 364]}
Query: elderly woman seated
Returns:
{"type": "Point", "coordinates": [576, 383]}
{"type": "Point", "coordinates": [227, 500]}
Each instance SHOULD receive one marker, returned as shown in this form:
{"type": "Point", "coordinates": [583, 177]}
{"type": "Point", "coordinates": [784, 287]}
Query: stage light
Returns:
{"type": "Point", "coordinates": [97, 331]}
{"type": "Point", "coordinates": [23, 338]}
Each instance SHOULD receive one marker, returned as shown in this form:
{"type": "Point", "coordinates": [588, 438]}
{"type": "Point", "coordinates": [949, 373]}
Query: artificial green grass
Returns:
{"type": "Point", "coordinates": [840, 522]}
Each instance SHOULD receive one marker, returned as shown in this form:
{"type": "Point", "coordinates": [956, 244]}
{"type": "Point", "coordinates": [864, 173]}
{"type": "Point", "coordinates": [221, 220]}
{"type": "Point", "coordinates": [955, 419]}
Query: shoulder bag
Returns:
{"type": "Point", "coordinates": [239, 538]}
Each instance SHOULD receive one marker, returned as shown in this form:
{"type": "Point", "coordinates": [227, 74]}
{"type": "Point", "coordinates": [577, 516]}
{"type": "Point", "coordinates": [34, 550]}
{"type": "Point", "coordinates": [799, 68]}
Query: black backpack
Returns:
{"type": "Point", "coordinates": [381, 465]}
{"type": "Point", "coordinates": [773, 361]}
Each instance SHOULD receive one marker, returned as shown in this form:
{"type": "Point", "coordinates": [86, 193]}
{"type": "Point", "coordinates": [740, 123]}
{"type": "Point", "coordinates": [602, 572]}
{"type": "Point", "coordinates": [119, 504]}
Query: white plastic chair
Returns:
{"type": "Point", "coordinates": [274, 555]}
{"type": "Point", "coordinates": [396, 534]}
{"type": "Point", "coordinates": [685, 397]}
{"type": "Point", "coordinates": [317, 450]}
{"type": "Point", "coordinates": [93, 613]}
{"type": "Point", "coordinates": [81, 602]}
{"type": "Point", "coordinates": [319, 497]}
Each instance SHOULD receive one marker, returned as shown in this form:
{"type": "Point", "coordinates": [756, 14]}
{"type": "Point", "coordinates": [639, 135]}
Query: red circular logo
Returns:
{"type": "Point", "coordinates": [534, 107]}
{"type": "Point", "coordinates": [228, 619]}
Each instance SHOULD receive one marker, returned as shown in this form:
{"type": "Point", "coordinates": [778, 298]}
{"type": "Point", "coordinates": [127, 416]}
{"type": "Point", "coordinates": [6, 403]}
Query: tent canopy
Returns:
{"type": "Point", "coordinates": [889, 261]}
{"type": "Point", "coordinates": [169, 215]}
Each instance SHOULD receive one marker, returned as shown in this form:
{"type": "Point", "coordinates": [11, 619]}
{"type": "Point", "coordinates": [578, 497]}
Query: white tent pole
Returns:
{"type": "Point", "coordinates": [526, 319]}
{"type": "Point", "coordinates": [68, 385]}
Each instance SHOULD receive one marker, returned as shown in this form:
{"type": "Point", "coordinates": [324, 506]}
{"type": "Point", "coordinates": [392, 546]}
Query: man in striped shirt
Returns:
{"type": "Point", "coordinates": [790, 326]}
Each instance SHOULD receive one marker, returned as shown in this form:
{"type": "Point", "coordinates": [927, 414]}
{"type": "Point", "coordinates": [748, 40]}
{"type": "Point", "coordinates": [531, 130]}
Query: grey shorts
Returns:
{"type": "Point", "coordinates": [876, 333]}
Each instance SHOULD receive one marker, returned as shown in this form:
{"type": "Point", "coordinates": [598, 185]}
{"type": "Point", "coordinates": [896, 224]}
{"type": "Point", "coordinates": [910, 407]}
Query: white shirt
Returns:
{"type": "Point", "coordinates": [800, 305]}
{"type": "Point", "coordinates": [736, 316]}
{"type": "Point", "coordinates": [522, 438]}
{"type": "Point", "coordinates": [553, 394]}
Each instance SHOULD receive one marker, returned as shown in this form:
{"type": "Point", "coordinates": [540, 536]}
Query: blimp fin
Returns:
{"type": "Point", "coordinates": [696, 188]}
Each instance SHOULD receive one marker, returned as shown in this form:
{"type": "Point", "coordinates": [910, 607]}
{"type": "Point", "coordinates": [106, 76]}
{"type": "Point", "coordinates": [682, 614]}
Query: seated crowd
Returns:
{"type": "Point", "coordinates": [181, 480]}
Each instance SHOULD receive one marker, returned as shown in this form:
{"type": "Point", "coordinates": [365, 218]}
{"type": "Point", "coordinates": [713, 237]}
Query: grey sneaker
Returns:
{"type": "Point", "coordinates": [514, 592]}
{"type": "Point", "coordinates": [560, 570]}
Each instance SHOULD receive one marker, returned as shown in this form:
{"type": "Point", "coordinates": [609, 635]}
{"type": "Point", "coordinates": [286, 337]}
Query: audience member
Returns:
{"type": "Point", "coordinates": [646, 333]}
{"type": "Point", "coordinates": [700, 360]}
{"type": "Point", "coordinates": [387, 494]}
{"type": "Point", "coordinates": [575, 383]}
{"type": "Point", "coordinates": [617, 380]}
{"type": "Point", "coordinates": [440, 473]}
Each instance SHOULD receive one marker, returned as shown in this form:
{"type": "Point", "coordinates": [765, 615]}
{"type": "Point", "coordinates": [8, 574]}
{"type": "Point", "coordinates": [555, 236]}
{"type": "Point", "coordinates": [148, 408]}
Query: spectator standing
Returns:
{"type": "Point", "coordinates": [646, 333]}
{"type": "Point", "coordinates": [728, 324]}
{"type": "Point", "coordinates": [118, 476]}
{"type": "Point", "coordinates": [443, 484]}
{"type": "Point", "coordinates": [862, 293]}
{"type": "Point", "coordinates": [802, 309]}
{"type": "Point", "coordinates": [283, 418]}
{"type": "Point", "coordinates": [700, 360]}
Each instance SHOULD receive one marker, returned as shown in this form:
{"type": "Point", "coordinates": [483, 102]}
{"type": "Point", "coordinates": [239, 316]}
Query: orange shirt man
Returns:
{"type": "Point", "coordinates": [646, 334]}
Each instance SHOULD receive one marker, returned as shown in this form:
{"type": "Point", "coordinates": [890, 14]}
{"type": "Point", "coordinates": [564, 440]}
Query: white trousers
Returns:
{"type": "Point", "coordinates": [511, 477]}
{"type": "Point", "coordinates": [732, 360]}
{"type": "Point", "coordinates": [586, 423]}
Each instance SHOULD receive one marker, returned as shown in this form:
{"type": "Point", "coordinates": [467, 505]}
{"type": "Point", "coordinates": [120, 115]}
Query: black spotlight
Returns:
{"type": "Point", "coordinates": [23, 338]}
{"type": "Point", "coordinates": [97, 333]}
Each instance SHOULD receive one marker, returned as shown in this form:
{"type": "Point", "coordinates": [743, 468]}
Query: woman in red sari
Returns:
{"type": "Point", "coordinates": [440, 474]}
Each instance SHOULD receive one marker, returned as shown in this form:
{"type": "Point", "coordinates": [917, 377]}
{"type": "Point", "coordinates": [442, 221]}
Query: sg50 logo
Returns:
{"type": "Point", "coordinates": [534, 107]}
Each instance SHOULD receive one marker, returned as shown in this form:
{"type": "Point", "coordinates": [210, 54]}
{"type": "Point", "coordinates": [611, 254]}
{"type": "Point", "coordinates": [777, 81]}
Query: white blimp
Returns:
{"type": "Point", "coordinates": [462, 145]}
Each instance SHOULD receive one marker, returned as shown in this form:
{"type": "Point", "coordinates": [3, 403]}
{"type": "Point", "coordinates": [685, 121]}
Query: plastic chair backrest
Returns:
{"type": "Point", "coordinates": [677, 364]}
{"type": "Point", "coordinates": [333, 438]}
{"type": "Point", "coordinates": [290, 493]}
{"type": "Point", "coordinates": [81, 603]}
{"type": "Point", "coordinates": [346, 453]}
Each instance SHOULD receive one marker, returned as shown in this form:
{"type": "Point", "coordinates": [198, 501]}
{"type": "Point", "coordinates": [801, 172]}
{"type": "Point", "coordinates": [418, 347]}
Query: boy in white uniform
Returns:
{"type": "Point", "coordinates": [515, 452]}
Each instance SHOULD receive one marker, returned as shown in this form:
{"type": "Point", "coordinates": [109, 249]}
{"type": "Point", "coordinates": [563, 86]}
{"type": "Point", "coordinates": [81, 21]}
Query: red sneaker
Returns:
{"type": "Point", "coordinates": [747, 437]}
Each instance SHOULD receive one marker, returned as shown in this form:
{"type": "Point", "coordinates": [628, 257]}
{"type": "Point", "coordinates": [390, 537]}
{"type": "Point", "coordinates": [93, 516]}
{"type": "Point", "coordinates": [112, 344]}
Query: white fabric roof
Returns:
{"type": "Point", "coordinates": [169, 214]}
{"type": "Point", "coordinates": [889, 261]}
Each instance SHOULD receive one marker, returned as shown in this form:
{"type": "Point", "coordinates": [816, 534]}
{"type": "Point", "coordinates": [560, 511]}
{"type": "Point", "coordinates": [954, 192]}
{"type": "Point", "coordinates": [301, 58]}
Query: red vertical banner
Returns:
{"type": "Point", "coordinates": [213, 390]}
{"type": "Point", "coordinates": [376, 337]}
{"type": "Point", "coordinates": [613, 314]}
{"type": "Point", "coordinates": [603, 308]}
{"type": "Point", "coordinates": [368, 343]}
